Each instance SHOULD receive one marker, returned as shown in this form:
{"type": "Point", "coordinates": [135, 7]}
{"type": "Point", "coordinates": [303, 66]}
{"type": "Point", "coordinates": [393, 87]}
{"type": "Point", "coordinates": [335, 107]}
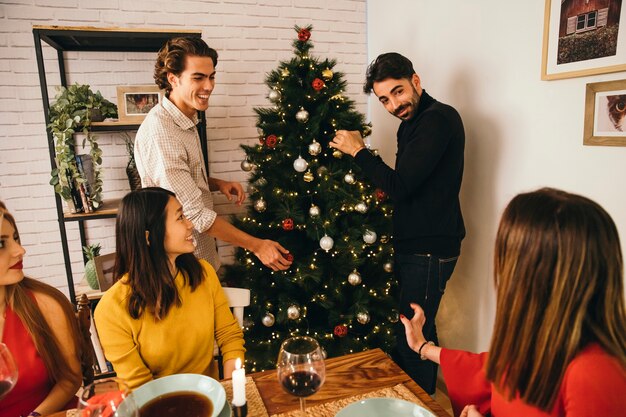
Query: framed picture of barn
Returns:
{"type": "Point", "coordinates": [583, 37]}
{"type": "Point", "coordinates": [605, 114]}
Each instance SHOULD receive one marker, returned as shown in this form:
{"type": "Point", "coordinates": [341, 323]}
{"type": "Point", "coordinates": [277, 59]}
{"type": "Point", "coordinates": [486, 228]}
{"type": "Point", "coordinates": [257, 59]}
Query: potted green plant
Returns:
{"type": "Point", "coordinates": [73, 112]}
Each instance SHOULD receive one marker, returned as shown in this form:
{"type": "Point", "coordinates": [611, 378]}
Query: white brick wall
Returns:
{"type": "Point", "coordinates": [251, 36]}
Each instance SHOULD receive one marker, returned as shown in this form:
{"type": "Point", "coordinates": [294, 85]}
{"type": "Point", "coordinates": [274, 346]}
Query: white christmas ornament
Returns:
{"type": "Point", "coordinates": [246, 165]}
{"type": "Point", "coordinates": [369, 236]}
{"type": "Point", "coordinates": [388, 267]}
{"type": "Point", "coordinates": [326, 243]}
{"type": "Point", "coordinates": [349, 178]}
{"type": "Point", "coordinates": [293, 312]}
{"type": "Point", "coordinates": [354, 278]}
{"type": "Point", "coordinates": [260, 205]}
{"type": "Point", "coordinates": [274, 95]}
{"type": "Point", "coordinates": [361, 207]}
{"type": "Point", "coordinates": [315, 148]}
{"type": "Point", "coordinates": [302, 116]}
{"type": "Point", "coordinates": [300, 164]}
{"type": "Point", "coordinates": [363, 317]}
{"type": "Point", "coordinates": [314, 211]}
{"type": "Point", "coordinates": [268, 320]}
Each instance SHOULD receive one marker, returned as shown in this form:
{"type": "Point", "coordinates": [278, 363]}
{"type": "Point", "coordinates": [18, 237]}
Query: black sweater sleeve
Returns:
{"type": "Point", "coordinates": [421, 146]}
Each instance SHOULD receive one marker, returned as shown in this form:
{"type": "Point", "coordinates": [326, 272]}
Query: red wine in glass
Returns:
{"type": "Point", "coordinates": [302, 383]}
{"type": "Point", "coordinates": [8, 371]}
{"type": "Point", "coordinates": [300, 367]}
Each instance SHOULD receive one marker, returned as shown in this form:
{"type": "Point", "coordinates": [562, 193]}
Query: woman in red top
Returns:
{"type": "Point", "coordinates": [38, 326]}
{"type": "Point", "coordinates": [559, 340]}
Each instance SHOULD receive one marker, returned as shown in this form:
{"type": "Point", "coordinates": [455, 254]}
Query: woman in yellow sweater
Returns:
{"type": "Point", "coordinates": [167, 308]}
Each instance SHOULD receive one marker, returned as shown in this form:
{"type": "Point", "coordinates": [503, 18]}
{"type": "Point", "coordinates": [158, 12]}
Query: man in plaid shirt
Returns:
{"type": "Point", "coordinates": [168, 155]}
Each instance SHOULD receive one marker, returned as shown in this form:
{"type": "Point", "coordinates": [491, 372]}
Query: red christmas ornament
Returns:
{"type": "Point", "coordinates": [271, 141]}
{"type": "Point", "coordinates": [340, 330]}
{"type": "Point", "coordinates": [288, 224]}
{"type": "Point", "coordinates": [380, 195]}
{"type": "Point", "coordinates": [318, 84]}
{"type": "Point", "coordinates": [288, 257]}
{"type": "Point", "coordinates": [304, 35]}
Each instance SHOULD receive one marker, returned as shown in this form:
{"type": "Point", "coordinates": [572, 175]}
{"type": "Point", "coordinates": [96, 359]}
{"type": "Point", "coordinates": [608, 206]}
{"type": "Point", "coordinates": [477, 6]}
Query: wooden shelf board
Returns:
{"type": "Point", "coordinates": [108, 210]}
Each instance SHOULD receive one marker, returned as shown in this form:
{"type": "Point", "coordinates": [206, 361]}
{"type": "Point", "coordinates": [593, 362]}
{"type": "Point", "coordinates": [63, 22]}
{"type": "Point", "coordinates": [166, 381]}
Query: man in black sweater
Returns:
{"type": "Point", "coordinates": [424, 187]}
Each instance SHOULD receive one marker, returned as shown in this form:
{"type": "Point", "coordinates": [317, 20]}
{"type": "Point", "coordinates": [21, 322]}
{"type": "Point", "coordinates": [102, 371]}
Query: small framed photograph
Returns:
{"type": "Point", "coordinates": [583, 38]}
{"type": "Point", "coordinates": [105, 270]}
{"type": "Point", "coordinates": [135, 101]}
{"type": "Point", "coordinates": [605, 114]}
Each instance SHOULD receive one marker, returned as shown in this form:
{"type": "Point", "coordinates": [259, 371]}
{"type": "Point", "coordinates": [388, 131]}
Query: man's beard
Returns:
{"type": "Point", "coordinates": [413, 102]}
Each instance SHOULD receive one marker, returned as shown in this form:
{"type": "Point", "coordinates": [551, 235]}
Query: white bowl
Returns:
{"type": "Point", "coordinates": [382, 407]}
{"type": "Point", "coordinates": [197, 383]}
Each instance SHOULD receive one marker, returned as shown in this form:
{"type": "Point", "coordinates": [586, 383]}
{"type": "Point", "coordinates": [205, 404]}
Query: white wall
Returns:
{"type": "Point", "coordinates": [251, 36]}
{"type": "Point", "coordinates": [483, 57]}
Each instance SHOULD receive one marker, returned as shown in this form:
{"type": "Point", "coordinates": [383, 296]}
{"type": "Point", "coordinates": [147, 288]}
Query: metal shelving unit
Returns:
{"type": "Point", "coordinates": [91, 39]}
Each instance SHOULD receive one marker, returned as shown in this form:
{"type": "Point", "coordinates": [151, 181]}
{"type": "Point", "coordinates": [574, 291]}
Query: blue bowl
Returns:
{"type": "Point", "coordinates": [197, 383]}
{"type": "Point", "coordinates": [378, 407]}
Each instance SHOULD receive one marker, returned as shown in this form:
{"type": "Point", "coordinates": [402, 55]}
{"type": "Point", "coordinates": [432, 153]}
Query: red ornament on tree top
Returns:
{"type": "Point", "coordinates": [340, 330]}
{"type": "Point", "coordinates": [288, 224]}
{"type": "Point", "coordinates": [271, 141]}
{"type": "Point", "coordinates": [318, 84]}
{"type": "Point", "coordinates": [304, 35]}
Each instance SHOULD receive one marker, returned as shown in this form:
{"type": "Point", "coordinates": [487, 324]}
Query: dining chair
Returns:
{"type": "Point", "coordinates": [238, 299]}
{"type": "Point", "coordinates": [83, 315]}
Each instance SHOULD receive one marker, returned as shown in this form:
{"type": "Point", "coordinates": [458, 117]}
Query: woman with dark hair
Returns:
{"type": "Point", "coordinates": [167, 308]}
{"type": "Point", "coordinates": [38, 326]}
{"type": "Point", "coordinates": [559, 341]}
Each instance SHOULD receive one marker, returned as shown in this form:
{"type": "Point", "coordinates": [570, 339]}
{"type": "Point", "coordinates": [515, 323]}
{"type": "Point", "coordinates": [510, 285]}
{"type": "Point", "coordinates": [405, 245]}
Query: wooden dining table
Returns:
{"type": "Point", "coordinates": [346, 376]}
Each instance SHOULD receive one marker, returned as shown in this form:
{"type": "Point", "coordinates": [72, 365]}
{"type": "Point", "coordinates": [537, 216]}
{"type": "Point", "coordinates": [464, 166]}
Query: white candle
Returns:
{"type": "Point", "coordinates": [239, 385]}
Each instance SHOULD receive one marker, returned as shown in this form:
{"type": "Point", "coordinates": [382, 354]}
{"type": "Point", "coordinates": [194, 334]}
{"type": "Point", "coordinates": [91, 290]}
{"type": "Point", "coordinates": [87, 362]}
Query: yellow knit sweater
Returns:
{"type": "Point", "coordinates": [144, 349]}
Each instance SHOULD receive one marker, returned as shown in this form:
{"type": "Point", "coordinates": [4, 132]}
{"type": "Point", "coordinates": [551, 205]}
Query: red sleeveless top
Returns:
{"type": "Point", "coordinates": [33, 382]}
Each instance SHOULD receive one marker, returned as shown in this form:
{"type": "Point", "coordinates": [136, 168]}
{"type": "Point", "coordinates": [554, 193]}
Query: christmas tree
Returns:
{"type": "Point", "coordinates": [317, 203]}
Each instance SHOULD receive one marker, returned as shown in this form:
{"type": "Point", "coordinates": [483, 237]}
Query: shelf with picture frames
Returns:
{"type": "Point", "coordinates": [94, 39]}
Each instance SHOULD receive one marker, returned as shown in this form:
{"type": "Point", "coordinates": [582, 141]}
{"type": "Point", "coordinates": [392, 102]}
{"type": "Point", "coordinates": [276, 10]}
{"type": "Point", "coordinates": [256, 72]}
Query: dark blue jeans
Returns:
{"type": "Point", "coordinates": [422, 280]}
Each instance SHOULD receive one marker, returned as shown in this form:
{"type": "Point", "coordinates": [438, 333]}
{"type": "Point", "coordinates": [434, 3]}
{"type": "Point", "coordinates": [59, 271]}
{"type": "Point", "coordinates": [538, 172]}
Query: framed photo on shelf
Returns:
{"type": "Point", "coordinates": [105, 271]}
{"type": "Point", "coordinates": [583, 38]}
{"type": "Point", "coordinates": [605, 114]}
{"type": "Point", "coordinates": [135, 101]}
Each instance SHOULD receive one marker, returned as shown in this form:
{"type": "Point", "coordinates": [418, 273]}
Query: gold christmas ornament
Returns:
{"type": "Point", "coordinates": [363, 317]}
{"type": "Point", "coordinates": [268, 320]}
{"type": "Point", "coordinates": [367, 130]}
{"type": "Point", "coordinates": [308, 176]}
{"type": "Point", "coordinates": [354, 278]}
{"type": "Point", "coordinates": [315, 148]}
{"type": "Point", "coordinates": [327, 74]}
{"type": "Point", "coordinates": [285, 72]}
{"type": "Point", "coordinates": [293, 312]}
{"type": "Point", "coordinates": [388, 267]}
{"type": "Point", "coordinates": [337, 153]}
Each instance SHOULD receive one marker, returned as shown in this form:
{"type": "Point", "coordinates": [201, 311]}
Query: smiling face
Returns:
{"type": "Point", "coordinates": [178, 237]}
{"type": "Point", "coordinates": [11, 255]}
{"type": "Point", "coordinates": [400, 97]}
{"type": "Point", "coordinates": [193, 87]}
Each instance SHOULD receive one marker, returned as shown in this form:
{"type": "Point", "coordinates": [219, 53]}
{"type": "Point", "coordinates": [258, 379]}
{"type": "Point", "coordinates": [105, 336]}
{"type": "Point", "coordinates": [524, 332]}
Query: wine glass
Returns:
{"type": "Point", "coordinates": [8, 371]}
{"type": "Point", "coordinates": [108, 397]}
{"type": "Point", "coordinates": [301, 369]}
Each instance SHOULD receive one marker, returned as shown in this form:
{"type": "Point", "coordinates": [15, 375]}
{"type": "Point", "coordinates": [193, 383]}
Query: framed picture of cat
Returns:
{"type": "Point", "coordinates": [583, 37]}
{"type": "Point", "coordinates": [605, 114]}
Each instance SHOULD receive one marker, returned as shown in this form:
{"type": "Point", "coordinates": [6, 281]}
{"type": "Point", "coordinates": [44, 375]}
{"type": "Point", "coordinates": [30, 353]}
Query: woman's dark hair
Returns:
{"type": "Point", "coordinates": [140, 236]}
{"type": "Point", "coordinates": [389, 65]}
{"type": "Point", "coordinates": [559, 277]}
{"type": "Point", "coordinates": [171, 58]}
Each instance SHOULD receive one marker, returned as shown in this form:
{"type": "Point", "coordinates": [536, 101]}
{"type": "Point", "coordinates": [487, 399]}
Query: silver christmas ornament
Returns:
{"type": "Point", "coordinates": [293, 312]}
{"type": "Point", "coordinates": [369, 236]}
{"type": "Point", "coordinates": [349, 178]}
{"type": "Point", "coordinates": [274, 95]}
{"type": "Point", "coordinates": [246, 165]}
{"type": "Point", "coordinates": [260, 205]}
{"type": "Point", "coordinates": [361, 207]}
{"type": "Point", "coordinates": [363, 317]}
{"type": "Point", "coordinates": [268, 320]}
{"type": "Point", "coordinates": [302, 116]}
{"type": "Point", "coordinates": [314, 211]}
{"type": "Point", "coordinates": [300, 164]}
{"type": "Point", "coordinates": [326, 243]}
{"type": "Point", "coordinates": [315, 148]}
{"type": "Point", "coordinates": [354, 278]}
{"type": "Point", "coordinates": [388, 267]}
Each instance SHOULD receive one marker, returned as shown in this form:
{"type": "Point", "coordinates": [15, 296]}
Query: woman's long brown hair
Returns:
{"type": "Point", "coordinates": [559, 277]}
{"type": "Point", "coordinates": [142, 256]}
{"type": "Point", "coordinates": [22, 303]}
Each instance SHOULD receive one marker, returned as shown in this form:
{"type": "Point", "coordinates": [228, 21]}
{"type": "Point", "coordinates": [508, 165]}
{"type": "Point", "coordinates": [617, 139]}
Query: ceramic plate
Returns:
{"type": "Point", "coordinates": [184, 382]}
{"type": "Point", "coordinates": [379, 407]}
